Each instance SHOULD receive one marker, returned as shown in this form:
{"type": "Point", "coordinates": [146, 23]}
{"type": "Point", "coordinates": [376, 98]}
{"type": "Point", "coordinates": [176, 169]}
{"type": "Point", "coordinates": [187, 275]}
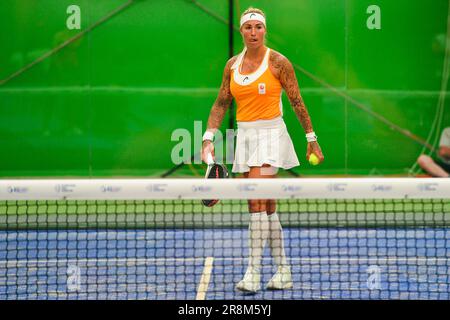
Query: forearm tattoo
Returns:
{"type": "Point", "coordinates": [223, 100]}
{"type": "Point", "coordinates": [288, 80]}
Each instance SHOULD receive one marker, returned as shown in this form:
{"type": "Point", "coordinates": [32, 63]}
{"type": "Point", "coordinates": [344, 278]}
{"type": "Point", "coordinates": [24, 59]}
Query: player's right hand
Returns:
{"type": "Point", "coordinates": [207, 147]}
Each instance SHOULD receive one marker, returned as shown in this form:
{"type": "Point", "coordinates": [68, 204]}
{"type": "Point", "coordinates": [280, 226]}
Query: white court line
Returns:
{"type": "Point", "coordinates": [204, 280]}
{"type": "Point", "coordinates": [104, 260]}
{"type": "Point", "coordinates": [326, 260]}
{"type": "Point", "coordinates": [322, 260]}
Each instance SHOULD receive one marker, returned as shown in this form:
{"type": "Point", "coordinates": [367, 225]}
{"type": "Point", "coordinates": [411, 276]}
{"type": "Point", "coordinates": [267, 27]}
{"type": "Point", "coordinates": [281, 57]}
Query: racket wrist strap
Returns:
{"type": "Point", "coordinates": [208, 135]}
{"type": "Point", "coordinates": [311, 136]}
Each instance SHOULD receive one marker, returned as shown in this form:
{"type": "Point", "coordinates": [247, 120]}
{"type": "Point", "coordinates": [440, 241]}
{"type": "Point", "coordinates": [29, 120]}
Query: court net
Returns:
{"type": "Point", "coordinates": [153, 238]}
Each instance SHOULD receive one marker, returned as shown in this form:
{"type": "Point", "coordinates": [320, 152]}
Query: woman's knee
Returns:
{"type": "Point", "coordinates": [256, 205]}
{"type": "Point", "coordinates": [271, 206]}
{"type": "Point", "coordinates": [268, 206]}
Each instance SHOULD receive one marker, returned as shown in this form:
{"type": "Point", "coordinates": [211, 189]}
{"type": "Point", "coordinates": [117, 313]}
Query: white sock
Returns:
{"type": "Point", "coordinates": [258, 234]}
{"type": "Point", "coordinates": [276, 241]}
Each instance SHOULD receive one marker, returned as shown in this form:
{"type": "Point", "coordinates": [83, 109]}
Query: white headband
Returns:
{"type": "Point", "coordinates": [253, 16]}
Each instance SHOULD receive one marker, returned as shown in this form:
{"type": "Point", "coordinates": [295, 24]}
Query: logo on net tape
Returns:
{"type": "Point", "coordinates": [247, 187]}
{"type": "Point", "coordinates": [291, 188]}
{"type": "Point", "coordinates": [157, 187]}
{"type": "Point", "coordinates": [381, 188]}
{"type": "Point", "coordinates": [110, 189]}
{"type": "Point", "coordinates": [337, 187]}
{"type": "Point", "coordinates": [428, 187]}
{"type": "Point", "coordinates": [65, 188]}
{"type": "Point", "coordinates": [201, 188]}
{"type": "Point", "coordinates": [15, 189]}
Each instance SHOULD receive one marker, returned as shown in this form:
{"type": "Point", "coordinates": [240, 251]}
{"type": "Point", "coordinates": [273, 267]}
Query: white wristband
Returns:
{"type": "Point", "coordinates": [208, 136]}
{"type": "Point", "coordinates": [310, 137]}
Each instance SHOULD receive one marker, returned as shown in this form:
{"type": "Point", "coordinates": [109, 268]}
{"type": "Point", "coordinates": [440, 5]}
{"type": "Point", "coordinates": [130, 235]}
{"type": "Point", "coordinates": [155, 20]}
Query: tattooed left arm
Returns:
{"type": "Point", "coordinates": [288, 80]}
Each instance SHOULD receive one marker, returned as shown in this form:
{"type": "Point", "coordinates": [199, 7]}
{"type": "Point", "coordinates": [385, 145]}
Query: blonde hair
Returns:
{"type": "Point", "coordinates": [253, 10]}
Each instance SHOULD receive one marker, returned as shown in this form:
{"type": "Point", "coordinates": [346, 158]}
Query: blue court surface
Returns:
{"type": "Point", "coordinates": [207, 263]}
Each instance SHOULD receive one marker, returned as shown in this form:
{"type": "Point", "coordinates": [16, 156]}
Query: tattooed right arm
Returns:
{"type": "Point", "coordinates": [223, 100]}
{"type": "Point", "coordinates": [218, 109]}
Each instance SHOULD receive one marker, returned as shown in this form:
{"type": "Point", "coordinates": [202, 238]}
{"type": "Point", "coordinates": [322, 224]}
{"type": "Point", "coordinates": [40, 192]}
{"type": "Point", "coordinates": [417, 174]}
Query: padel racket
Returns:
{"type": "Point", "coordinates": [215, 171]}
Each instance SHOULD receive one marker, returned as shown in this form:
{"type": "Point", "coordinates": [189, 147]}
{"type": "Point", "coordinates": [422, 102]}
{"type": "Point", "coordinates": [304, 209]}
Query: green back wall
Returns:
{"type": "Point", "coordinates": [108, 103]}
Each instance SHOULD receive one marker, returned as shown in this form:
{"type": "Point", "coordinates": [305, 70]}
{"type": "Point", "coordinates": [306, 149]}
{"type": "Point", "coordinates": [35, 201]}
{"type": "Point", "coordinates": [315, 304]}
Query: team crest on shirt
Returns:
{"type": "Point", "coordinates": [261, 88]}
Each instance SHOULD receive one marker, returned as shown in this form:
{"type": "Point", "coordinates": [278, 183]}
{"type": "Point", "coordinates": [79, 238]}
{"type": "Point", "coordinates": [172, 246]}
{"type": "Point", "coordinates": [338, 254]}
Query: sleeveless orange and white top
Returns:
{"type": "Point", "coordinates": [257, 95]}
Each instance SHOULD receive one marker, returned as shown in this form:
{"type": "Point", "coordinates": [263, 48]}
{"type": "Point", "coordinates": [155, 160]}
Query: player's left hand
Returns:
{"type": "Point", "coordinates": [313, 147]}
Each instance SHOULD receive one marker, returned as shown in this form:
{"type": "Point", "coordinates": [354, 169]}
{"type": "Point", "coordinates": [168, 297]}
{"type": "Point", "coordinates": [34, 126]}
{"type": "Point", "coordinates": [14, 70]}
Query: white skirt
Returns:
{"type": "Point", "coordinates": [264, 142]}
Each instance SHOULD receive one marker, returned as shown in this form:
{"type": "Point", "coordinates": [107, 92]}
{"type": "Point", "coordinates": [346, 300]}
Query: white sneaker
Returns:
{"type": "Point", "coordinates": [251, 282]}
{"type": "Point", "coordinates": [281, 280]}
